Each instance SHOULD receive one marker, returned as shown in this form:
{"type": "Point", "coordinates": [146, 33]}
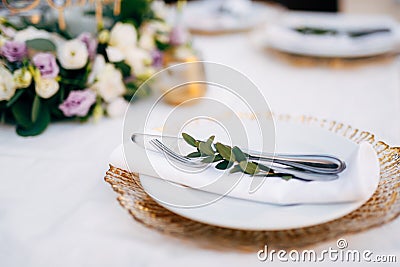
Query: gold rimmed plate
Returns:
{"type": "Point", "coordinates": [382, 207]}
{"type": "Point", "coordinates": [230, 212]}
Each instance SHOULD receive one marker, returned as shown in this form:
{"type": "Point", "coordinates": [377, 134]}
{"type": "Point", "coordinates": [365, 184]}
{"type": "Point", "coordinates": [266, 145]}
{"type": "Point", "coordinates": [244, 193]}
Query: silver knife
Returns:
{"type": "Point", "coordinates": [324, 164]}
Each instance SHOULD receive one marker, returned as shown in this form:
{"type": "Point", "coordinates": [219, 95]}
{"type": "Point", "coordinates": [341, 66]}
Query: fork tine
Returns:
{"type": "Point", "coordinates": [169, 152]}
{"type": "Point", "coordinates": [172, 154]}
{"type": "Point", "coordinates": [163, 149]}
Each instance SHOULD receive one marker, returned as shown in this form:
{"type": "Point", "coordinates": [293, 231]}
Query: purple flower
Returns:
{"type": "Point", "coordinates": [90, 42]}
{"type": "Point", "coordinates": [178, 36]}
{"type": "Point", "coordinates": [46, 63]}
{"type": "Point", "coordinates": [78, 103]}
{"type": "Point", "coordinates": [14, 51]}
{"type": "Point", "coordinates": [157, 58]}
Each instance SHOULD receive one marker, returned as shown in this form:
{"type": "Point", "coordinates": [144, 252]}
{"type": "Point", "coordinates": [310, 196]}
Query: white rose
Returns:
{"type": "Point", "coordinates": [2, 40]}
{"type": "Point", "coordinates": [146, 41]}
{"type": "Point", "coordinates": [98, 65]}
{"type": "Point", "coordinates": [114, 54]}
{"type": "Point", "coordinates": [123, 35]}
{"type": "Point", "coordinates": [117, 107]}
{"type": "Point", "coordinates": [161, 30]}
{"type": "Point", "coordinates": [31, 33]}
{"type": "Point", "coordinates": [8, 31]}
{"type": "Point", "coordinates": [160, 26]}
{"type": "Point", "coordinates": [73, 54]}
{"type": "Point", "coordinates": [159, 8]}
{"type": "Point", "coordinates": [138, 59]}
{"type": "Point", "coordinates": [46, 88]}
{"type": "Point", "coordinates": [109, 83]}
{"type": "Point", "coordinates": [22, 78]}
{"type": "Point", "coordinates": [146, 73]}
{"type": "Point", "coordinates": [7, 85]}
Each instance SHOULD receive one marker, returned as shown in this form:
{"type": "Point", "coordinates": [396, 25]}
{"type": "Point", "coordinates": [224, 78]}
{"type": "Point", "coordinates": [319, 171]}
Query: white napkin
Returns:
{"type": "Point", "coordinates": [357, 183]}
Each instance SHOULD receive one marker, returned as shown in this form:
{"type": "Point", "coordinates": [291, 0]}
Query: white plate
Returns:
{"type": "Point", "coordinates": [241, 214]}
{"type": "Point", "coordinates": [202, 16]}
{"type": "Point", "coordinates": [280, 36]}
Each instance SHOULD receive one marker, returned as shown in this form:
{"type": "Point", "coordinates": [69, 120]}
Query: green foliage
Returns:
{"type": "Point", "coordinates": [190, 140]}
{"type": "Point", "coordinates": [14, 98]}
{"type": "Point", "coordinates": [223, 165]}
{"type": "Point", "coordinates": [162, 46]}
{"type": "Point", "coordinates": [30, 113]}
{"type": "Point", "coordinates": [239, 155]}
{"type": "Point", "coordinates": [124, 68]}
{"type": "Point", "coordinates": [225, 151]}
{"type": "Point", "coordinates": [226, 157]}
{"type": "Point", "coordinates": [44, 45]}
{"type": "Point", "coordinates": [135, 11]}
{"type": "Point", "coordinates": [31, 118]}
{"type": "Point", "coordinates": [73, 79]}
{"type": "Point", "coordinates": [249, 167]}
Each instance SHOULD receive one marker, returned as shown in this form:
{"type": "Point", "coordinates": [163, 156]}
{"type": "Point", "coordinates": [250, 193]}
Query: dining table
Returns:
{"type": "Point", "coordinates": [57, 210]}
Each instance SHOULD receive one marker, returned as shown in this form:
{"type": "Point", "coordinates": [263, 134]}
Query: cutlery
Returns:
{"type": "Point", "coordinates": [350, 33]}
{"type": "Point", "coordinates": [323, 164]}
{"type": "Point", "coordinates": [195, 163]}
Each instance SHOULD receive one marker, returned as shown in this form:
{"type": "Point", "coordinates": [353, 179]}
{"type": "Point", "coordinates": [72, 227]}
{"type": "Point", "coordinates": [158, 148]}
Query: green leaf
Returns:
{"type": "Point", "coordinates": [263, 167]}
{"type": "Point", "coordinates": [41, 44]}
{"type": "Point", "coordinates": [223, 165]}
{"type": "Point", "coordinates": [135, 10]}
{"type": "Point", "coordinates": [225, 151]}
{"type": "Point", "coordinates": [206, 149]}
{"type": "Point", "coordinates": [14, 98]}
{"type": "Point", "coordinates": [208, 159]}
{"type": "Point", "coordinates": [217, 158]}
{"type": "Point", "coordinates": [235, 168]}
{"type": "Point", "coordinates": [35, 109]}
{"type": "Point", "coordinates": [211, 159]}
{"type": "Point", "coordinates": [210, 140]}
{"type": "Point", "coordinates": [22, 113]}
{"type": "Point", "coordinates": [249, 167]}
{"type": "Point", "coordinates": [239, 155]}
{"type": "Point", "coordinates": [39, 126]}
{"type": "Point", "coordinates": [124, 68]}
{"type": "Point", "coordinates": [287, 177]}
{"type": "Point", "coordinates": [190, 140]}
{"type": "Point", "coordinates": [194, 154]}
{"type": "Point", "coordinates": [162, 46]}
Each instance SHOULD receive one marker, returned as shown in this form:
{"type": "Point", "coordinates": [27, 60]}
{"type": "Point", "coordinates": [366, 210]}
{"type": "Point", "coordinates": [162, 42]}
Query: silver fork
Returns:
{"type": "Point", "coordinates": [196, 163]}
{"type": "Point", "coordinates": [316, 163]}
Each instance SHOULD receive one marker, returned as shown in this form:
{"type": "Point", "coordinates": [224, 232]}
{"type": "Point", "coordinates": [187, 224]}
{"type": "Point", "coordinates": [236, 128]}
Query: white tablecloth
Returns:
{"type": "Point", "coordinates": [56, 210]}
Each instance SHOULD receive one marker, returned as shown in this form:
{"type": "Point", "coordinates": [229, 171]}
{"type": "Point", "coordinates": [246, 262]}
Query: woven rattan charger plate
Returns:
{"type": "Point", "coordinates": [381, 208]}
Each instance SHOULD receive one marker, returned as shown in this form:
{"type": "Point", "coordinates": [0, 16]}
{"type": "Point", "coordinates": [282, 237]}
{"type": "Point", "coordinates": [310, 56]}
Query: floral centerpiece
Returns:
{"type": "Point", "coordinates": [46, 76]}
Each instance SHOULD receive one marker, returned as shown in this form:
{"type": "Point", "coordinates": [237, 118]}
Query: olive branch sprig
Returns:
{"type": "Point", "coordinates": [227, 157]}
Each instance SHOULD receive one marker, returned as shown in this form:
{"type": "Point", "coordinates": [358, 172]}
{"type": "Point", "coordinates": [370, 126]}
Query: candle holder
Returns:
{"type": "Point", "coordinates": [184, 79]}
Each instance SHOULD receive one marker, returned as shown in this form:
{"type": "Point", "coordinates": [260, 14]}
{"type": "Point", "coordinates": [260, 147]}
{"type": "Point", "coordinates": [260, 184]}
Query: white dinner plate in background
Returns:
{"type": "Point", "coordinates": [282, 37]}
{"type": "Point", "coordinates": [203, 16]}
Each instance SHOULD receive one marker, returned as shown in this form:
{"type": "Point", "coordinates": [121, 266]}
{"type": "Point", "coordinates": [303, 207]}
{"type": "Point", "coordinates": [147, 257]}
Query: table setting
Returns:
{"type": "Point", "coordinates": [216, 17]}
{"type": "Point", "coordinates": [199, 132]}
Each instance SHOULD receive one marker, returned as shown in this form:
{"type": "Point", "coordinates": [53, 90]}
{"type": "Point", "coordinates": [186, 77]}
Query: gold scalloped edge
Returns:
{"type": "Point", "coordinates": [333, 62]}
{"type": "Point", "coordinates": [381, 208]}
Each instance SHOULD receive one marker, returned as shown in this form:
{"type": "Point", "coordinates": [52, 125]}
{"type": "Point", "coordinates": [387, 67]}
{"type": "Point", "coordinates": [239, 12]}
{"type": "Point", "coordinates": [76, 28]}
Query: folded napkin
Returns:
{"type": "Point", "coordinates": [357, 183]}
